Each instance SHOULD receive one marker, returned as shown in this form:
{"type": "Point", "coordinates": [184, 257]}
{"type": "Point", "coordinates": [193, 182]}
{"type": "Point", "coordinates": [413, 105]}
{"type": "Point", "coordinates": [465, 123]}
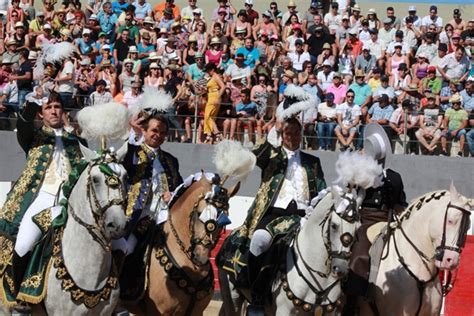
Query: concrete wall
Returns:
{"type": "Point", "coordinates": [420, 174]}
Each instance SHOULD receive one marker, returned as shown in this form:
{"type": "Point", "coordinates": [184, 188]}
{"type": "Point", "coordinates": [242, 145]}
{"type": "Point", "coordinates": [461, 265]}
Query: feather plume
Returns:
{"type": "Point", "coordinates": [356, 169]}
{"type": "Point", "coordinates": [156, 99]}
{"type": "Point", "coordinates": [232, 159]}
{"type": "Point", "coordinates": [52, 53]}
{"type": "Point", "coordinates": [305, 102]}
{"type": "Point", "coordinates": [109, 120]}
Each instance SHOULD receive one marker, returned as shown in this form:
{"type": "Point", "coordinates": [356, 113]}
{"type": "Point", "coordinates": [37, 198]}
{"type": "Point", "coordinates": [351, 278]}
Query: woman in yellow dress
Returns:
{"type": "Point", "coordinates": [215, 89]}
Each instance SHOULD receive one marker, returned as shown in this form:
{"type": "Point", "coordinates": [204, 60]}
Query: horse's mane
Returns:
{"type": "Point", "coordinates": [419, 202]}
{"type": "Point", "coordinates": [183, 188]}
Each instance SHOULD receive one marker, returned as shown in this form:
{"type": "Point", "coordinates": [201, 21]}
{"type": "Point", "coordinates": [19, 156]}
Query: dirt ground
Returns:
{"type": "Point", "coordinates": [213, 308]}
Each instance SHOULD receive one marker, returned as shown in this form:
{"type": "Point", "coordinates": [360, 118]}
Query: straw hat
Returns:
{"type": "Point", "coordinates": [215, 40]}
{"type": "Point", "coordinates": [133, 49]}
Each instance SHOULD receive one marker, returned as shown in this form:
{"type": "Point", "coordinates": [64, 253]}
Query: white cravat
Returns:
{"type": "Point", "coordinates": [157, 204]}
{"type": "Point", "coordinates": [59, 168]}
{"type": "Point", "coordinates": [295, 183]}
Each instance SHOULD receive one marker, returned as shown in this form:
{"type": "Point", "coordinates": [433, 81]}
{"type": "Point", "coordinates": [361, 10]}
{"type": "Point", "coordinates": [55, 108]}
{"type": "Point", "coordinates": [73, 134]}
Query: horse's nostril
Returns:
{"type": "Point", "coordinates": [448, 259]}
{"type": "Point", "coordinates": [110, 225]}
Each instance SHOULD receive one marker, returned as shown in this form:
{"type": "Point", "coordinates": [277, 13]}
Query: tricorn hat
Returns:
{"type": "Point", "coordinates": [376, 142]}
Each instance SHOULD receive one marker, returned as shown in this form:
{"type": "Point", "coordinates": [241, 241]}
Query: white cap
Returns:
{"type": "Point", "coordinates": [249, 2]}
{"type": "Point", "coordinates": [47, 26]}
{"type": "Point", "coordinates": [93, 17]}
{"type": "Point", "coordinates": [106, 47]}
{"type": "Point", "coordinates": [326, 62]}
{"type": "Point", "coordinates": [133, 49]}
{"type": "Point", "coordinates": [412, 8]}
{"type": "Point", "coordinates": [86, 31]}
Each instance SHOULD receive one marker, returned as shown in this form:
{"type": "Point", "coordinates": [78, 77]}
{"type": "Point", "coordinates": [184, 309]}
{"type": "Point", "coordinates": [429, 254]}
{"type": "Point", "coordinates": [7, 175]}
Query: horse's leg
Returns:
{"type": "Point", "coordinates": [231, 299]}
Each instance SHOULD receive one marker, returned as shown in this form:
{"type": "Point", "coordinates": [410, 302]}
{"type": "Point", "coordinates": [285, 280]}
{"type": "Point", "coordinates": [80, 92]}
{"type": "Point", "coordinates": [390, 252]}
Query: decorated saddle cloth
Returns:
{"type": "Point", "coordinates": [282, 230]}
{"type": "Point", "coordinates": [49, 221]}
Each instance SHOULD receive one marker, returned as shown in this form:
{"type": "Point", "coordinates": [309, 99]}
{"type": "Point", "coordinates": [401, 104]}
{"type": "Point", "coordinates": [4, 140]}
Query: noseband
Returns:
{"type": "Point", "coordinates": [463, 228]}
{"type": "Point", "coordinates": [216, 199]}
{"type": "Point", "coordinates": [113, 182]}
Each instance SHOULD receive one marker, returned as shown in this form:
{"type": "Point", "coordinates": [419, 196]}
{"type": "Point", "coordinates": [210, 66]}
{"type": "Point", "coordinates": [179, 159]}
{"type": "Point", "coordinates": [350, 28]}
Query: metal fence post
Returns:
{"type": "Point", "coordinates": [196, 123]}
{"type": "Point", "coordinates": [405, 131]}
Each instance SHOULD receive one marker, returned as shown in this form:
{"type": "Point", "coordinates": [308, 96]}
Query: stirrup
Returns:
{"type": "Point", "coordinates": [255, 310]}
{"type": "Point", "coordinates": [21, 309]}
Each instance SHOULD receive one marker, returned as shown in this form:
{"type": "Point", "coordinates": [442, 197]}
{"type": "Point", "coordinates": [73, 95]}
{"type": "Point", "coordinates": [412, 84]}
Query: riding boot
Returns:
{"type": "Point", "coordinates": [118, 257]}
{"type": "Point", "coordinates": [19, 265]}
{"type": "Point", "coordinates": [256, 307]}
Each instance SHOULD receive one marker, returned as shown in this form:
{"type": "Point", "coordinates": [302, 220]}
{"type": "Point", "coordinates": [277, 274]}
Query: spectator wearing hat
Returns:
{"type": "Point", "coordinates": [46, 37]}
{"type": "Point", "coordinates": [362, 91]}
{"type": "Point", "coordinates": [107, 20]}
{"type": "Point", "coordinates": [104, 54]}
{"type": "Point", "coordinates": [287, 79]}
{"type": "Point", "coordinates": [432, 18]}
{"type": "Point", "coordinates": [299, 56]}
{"type": "Point", "coordinates": [147, 27]}
{"type": "Point", "coordinates": [455, 123]}
{"type": "Point", "coordinates": [348, 119]}
{"type": "Point", "coordinates": [373, 20]}
{"type": "Point", "coordinates": [35, 27]}
{"type": "Point", "coordinates": [155, 77]}
{"type": "Point", "coordinates": [384, 89]}
{"type": "Point", "coordinates": [228, 6]}
{"type": "Point", "coordinates": [295, 34]}
{"type": "Point", "coordinates": [189, 9]}
{"type": "Point", "coordinates": [267, 26]}
{"type": "Point", "coordinates": [167, 20]}
{"type": "Point", "coordinates": [316, 41]}
{"type": "Point", "coordinates": [325, 77]}
{"type": "Point", "coordinates": [291, 11]}
{"type": "Point", "coordinates": [221, 28]}
{"type": "Point", "coordinates": [214, 53]}
{"type": "Point", "coordinates": [241, 24]}
{"type": "Point", "coordinates": [100, 95]}
{"type": "Point", "coordinates": [355, 43]}
{"type": "Point", "coordinates": [333, 19]}
{"type": "Point", "coordinates": [355, 18]}
{"type": "Point", "coordinates": [327, 121]}
{"type": "Point", "coordinates": [252, 15]}
{"type": "Point", "coordinates": [85, 44]}
{"type": "Point", "coordinates": [430, 121]}
{"type": "Point", "coordinates": [171, 8]}
{"type": "Point", "coordinates": [337, 88]}
{"type": "Point", "coordinates": [317, 22]}
{"type": "Point", "coordinates": [127, 77]}
{"type": "Point", "coordinates": [396, 59]}
{"type": "Point", "coordinates": [121, 46]}
{"type": "Point", "coordinates": [365, 61]}
{"type": "Point", "coordinates": [415, 19]}
{"type": "Point", "coordinates": [400, 80]}
{"type": "Point", "coordinates": [342, 33]}
{"type": "Point", "coordinates": [145, 47]}
{"type": "Point", "coordinates": [308, 16]}
{"type": "Point", "coordinates": [457, 65]}
{"type": "Point", "coordinates": [11, 54]}
{"type": "Point", "coordinates": [84, 81]}
{"type": "Point", "coordinates": [239, 69]}
{"type": "Point", "coordinates": [107, 73]}
{"type": "Point", "coordinates": [387, 32]}
{"type": "Point", "coordinates": [21, 37]}
{"type": "Point", "coordinates": [131, 98]}
{"type": "Point", "coordinates": [431, 83]}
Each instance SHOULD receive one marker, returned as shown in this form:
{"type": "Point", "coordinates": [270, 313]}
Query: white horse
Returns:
{"type": "Point", "coordinates": [429, 236]}
{"type": "Point", "coordinates": [315, 262]}
{"type": "Point", "coordinates": [83, 279]}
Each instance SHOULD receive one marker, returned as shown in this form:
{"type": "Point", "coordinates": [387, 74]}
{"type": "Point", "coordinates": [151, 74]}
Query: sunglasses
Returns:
{"type": "Point", "coordinates": [350, 96]}
{"type": "Point", "coordinates": [456, 103]}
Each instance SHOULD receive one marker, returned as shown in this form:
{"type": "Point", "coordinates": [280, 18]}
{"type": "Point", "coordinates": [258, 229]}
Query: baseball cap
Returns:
{"type": "Point", "coordinates": [387, 20]}
{"type": "Point", "coordinates": [456, 12]}
{"type": "Point", "coordinates": [443, 47]}
{"type": "Point", "coordinates": [384, 78]}
{"type": "Point", "coordinates": [101, 83]}
{"type": "Point", "coordinates": [373, 31]}
{"type": "Point", "coordinates": [456, 34]}
{"type": "Point", "coordinates": [434, 8]}
{"type": "Point", "coordinates": [431, 69]}
{"type": "Point", "coordinates": [337, 75]}
{"type": "Point", "coordinates": [329, 96]}
{"type": "Point", "coordinates": [402, 66]}
{"type": "Point", "coordinates": [383, 98]}
{"type": "Point", "coordinates": [412, 8]}
{"type": "Point", "coordinates": [399, 33]}
{"type": "Point", "coordinates": [299, 41]}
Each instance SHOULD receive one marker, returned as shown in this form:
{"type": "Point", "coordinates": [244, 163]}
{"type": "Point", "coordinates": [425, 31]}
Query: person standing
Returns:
{"type": "Point", "coordinates": [215, 89]}
{"type": "Point", "coordinates": [52, 152]}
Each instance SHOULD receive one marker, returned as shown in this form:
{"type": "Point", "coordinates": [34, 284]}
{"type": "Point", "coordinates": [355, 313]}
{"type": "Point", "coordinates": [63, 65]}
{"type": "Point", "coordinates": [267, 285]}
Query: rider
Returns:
{"type": "Point", "coordinates": [384, 198]}
{"type": "Point", "coordinates": [52, 152]}
{"type": "Point", "coordinates": [152, 173]}
{"type": "Point", "coordinates": [290, 179]}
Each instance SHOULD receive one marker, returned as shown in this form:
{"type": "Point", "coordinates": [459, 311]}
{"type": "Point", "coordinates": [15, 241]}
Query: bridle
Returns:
{"type": "Point", "coordinates": [462, 233]}
{"type": "Point", "coordinates": [113, 182]}
{"type": "Point", "coordinates": [217, 203]}
{"type": "Point", "coordinates": [321, 292]}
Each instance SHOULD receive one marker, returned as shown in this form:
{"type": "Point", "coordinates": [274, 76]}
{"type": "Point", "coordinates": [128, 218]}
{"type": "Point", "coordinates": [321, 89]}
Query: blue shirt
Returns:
{"type": "Point", "coordinates": [142, 11]}
{"type": "Point", "coordinates": [118, 8]}
{"type": "Point", "coordinates": [361, 92]}
{"type": "Point", "coordinates": [467, 100]}
{"type": "Point", "coordinates": [251, 56]}
{"type": "Point", "coordinates": [148, 49]}
{"type": "Point", "coordinates": [379, 113]}
{"type": "Point", "coordinates": [313, 90]}
{"type": "Point", "coordinates": [195, 72]}
{"type": "Point", "coordinates": [107, 23]}
{"type": "Point", "coordinates": [85, 48]}
{"type": "Point", "coordinates": [250, 108]}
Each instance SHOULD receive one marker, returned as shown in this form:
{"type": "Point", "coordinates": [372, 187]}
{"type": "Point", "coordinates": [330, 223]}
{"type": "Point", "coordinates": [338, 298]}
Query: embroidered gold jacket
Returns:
{"type": "Point", "coordinates": [39, 147]}
{"type": "Point", "coordinates": [273, 162]}
{"type": "Point", "coordinates": [139, 165]}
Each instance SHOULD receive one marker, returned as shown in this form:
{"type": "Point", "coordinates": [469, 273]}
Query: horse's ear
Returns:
{"type": "Point", "coordinates": [234, 189]}
{"type": "Point", "coordinates": [453, 192]}
{"type": "Point", "coordinates": [122, 151]}
{"type": "Point", "coordinates": [87, 153]}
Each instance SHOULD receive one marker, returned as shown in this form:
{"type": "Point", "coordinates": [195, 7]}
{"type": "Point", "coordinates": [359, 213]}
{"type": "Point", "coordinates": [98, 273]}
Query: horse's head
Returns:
{"type": "Point", "coordinates": [449, 229]}
{"type": "Point", "coordinates": [206, 205]}
{"type": "Point", "coordinates": [343, 221]}
{"type": "Point", "coordinates": [105, 192]}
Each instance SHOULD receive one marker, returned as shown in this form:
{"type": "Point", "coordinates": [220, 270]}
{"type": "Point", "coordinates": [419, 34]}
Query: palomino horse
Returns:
{"type": "Point", "coordinates": [83, 279]}
{"type": "Point", "coordinates": [316, 262]}
{"type": "Point", "coordinates": [180, 276]}
{"type": "Point", "coordinates": [429, 235]}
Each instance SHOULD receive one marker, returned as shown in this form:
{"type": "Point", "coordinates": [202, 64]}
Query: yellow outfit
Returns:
{"type": "Point", "coordinates": [212, 107]}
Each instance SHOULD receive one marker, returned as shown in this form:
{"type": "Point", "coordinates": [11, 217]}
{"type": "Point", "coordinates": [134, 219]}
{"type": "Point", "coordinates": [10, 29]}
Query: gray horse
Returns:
{"type": "Point", "coordinates": [82, 279]}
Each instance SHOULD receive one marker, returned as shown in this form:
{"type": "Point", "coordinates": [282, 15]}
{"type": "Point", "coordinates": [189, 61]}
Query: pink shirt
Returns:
{"type": "Point", "coordinates": [339, 92]}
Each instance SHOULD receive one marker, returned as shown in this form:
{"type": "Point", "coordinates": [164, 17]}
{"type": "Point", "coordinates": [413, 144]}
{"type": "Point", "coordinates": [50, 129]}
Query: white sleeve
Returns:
{"type": "Point", "coordinates": [134, 139]}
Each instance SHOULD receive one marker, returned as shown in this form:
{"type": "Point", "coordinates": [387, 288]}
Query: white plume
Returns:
{"type": "Point", "coordinates": [232, 159]}
{"type": "Point", "coordinates": [306, 101]}
{"type": "Point", "coordinates": [109, 120]}
{"type": "Point", "coordinates": [156, 99]}
{"type": "Point", "coordinates": [52, 53]}
{"type": "Point", "coordinates": [357, 169]}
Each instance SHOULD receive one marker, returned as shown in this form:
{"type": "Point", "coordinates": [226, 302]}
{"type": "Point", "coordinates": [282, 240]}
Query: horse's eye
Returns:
{"type": "Point", "coordinates": [334, 226]}
{"type": "Point", "coordinates": [450, 222]}
{"type": "Point", "coordinates": [95, 179]}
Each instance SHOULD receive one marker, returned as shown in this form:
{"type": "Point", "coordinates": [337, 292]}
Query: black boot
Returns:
{"type": "Point", "coordinates": [19, 265]}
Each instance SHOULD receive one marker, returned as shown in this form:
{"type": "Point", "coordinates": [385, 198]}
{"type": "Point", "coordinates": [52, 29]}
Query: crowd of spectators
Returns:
{"type": "Point", "coordinates": [409, 71]}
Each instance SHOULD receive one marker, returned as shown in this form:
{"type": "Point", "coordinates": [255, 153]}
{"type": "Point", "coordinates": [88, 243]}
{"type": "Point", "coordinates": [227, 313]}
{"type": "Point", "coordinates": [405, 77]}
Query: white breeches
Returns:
{"type": "Point", "coordinates": [29, 233]}
{"type": "Point", "coordinates": [127, 246]}
{"type": "Point", "coordinates": [260, 242]}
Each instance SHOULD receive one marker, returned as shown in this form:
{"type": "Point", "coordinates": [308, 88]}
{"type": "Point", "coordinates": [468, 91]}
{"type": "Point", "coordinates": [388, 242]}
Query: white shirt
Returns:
{"type": "Point", "coordinates": [376, 48]}
{"type": "Point", "coordinates": [325, 80]}
{"type": "Point", "coordinates": [427, 21]}
{"type": "Point", "coordinates": [59, 168]}
{"type": "Point", "coordinates": [299, 59]}
{"type": "Point", "coordinates": [349, 113]}
{"type": "Point", "coordinates": [67, 86]}
{"type": "Point", "coordinates": [295, 183]}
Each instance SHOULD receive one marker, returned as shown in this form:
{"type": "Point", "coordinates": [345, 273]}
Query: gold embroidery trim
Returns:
{"type": "Point", "coordinates": [134, 191]}
{"type": "Point", "coordinates": [33, 281]}
{"type": "Point", "coordinates": [43, 219]}
{"type": "Point", "coordinates": [6, 251]}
